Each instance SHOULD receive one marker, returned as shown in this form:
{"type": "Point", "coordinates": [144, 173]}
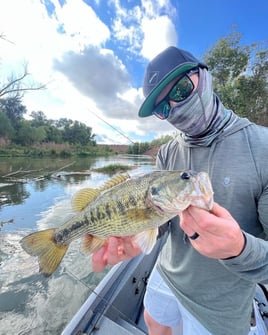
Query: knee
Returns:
{"type": "Point", "coordinates": [150, 322]}
{"type": "Point", "coordinates": [154, 327]}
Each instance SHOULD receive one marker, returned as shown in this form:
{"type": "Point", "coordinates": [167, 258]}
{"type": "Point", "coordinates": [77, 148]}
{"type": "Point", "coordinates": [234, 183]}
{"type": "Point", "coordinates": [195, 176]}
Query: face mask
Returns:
{"type": "Point", "coordinates": [194, 115]}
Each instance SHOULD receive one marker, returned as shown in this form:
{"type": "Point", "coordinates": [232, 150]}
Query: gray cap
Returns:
{"type": "Point", "coordinates": [163, 69]}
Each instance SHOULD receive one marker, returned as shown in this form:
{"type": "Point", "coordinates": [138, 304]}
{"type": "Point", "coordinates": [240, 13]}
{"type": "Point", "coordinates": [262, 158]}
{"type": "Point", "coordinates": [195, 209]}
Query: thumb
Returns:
{"type": "Point", "coordinates": [220, 211]}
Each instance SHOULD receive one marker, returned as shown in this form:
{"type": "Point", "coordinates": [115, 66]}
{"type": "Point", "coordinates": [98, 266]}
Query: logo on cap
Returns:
{"type": "Point", "coordinates": [152, 77]}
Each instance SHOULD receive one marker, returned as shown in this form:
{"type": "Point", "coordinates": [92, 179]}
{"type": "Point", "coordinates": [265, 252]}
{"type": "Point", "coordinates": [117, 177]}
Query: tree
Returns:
{"type": "Point", "coordinates": [39, 119]}
{"type": "Point", "coordinates": [17, 85]}
{"type": "Point", "coordinates": [28, 135]}
{"type": "Point", "coordinates": [240, 76]}
{"type": "Point", "coordinates": [13, 109]}
{"type": "Point", "coordinates": [78, 133]}
{"type": "Point", "coordinates": [53, 134]}
{"type": "Point", "coordinates": [6, 129]}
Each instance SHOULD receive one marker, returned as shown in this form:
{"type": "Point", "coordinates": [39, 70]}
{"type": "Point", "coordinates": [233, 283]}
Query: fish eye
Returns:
{"type": "Point", "coordinates": [154, 190]}
{"type": "Point", "coordinates": [185, 175]}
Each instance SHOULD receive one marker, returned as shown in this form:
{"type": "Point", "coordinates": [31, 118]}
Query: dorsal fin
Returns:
{"type": "Point", "coordinates": [114, 181]}
{"type": "Point", "coordinates": [83, 197]}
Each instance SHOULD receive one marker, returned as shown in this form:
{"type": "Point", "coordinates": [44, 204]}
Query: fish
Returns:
{"type": "Point", "coordinates": [124, 206]}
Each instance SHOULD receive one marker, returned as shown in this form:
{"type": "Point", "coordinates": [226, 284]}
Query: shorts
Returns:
{"type": "Point", "coordinates": [165, 308]}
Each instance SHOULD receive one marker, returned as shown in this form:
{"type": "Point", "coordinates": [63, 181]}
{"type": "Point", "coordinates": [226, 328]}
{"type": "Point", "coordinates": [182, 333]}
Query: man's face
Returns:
{"type": "Point", "coordinates": [178, 90]}
{"type": "Point", "coordinates": [194, 77]}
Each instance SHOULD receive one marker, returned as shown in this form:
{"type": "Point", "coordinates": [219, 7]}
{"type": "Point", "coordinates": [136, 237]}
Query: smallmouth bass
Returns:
{"type": "Point", "coordinates": [123, 206]}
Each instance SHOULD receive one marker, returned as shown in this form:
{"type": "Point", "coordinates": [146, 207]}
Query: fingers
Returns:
{"type": "Point", "coordinates": [198, 220]}
{"type": "Point", "coordinates": [185, 223]}
{"type": "Point", "coordinates": [109, 254]}
{"type": "Point", "coordinates": [220, 236]}
{"type": "Point", "coordinates": [220, 211]}
{"type": "Point", "coordinates": [130, 248]}
{"type": "Point", "coordinates": [99, 259]}
{"type": "Point", "coordinates": [116, 250]}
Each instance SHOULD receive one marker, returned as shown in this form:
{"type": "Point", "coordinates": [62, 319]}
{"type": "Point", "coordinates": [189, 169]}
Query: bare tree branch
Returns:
{"type": "Point", "coordinates": [15, 85]}
{"type": "Point", "coordinates": [2, 36]}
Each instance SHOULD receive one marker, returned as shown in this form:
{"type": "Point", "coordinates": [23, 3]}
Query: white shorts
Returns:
{"type": "Point", "coordinates": [165, 308]}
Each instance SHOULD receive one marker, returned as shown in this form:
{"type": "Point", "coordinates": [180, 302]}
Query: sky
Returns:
{"type": "Point", "coordinates": [92, 54]}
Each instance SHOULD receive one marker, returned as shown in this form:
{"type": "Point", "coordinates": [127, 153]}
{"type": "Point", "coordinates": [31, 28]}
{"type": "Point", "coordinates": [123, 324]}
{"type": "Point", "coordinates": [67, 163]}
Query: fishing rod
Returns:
{"type": "Point", "coordinates": [114, 128]}
{"type": "Point", "coordinates": [119, 131]}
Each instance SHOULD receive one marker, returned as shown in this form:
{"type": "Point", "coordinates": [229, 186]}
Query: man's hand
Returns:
{"type": "Point", "coordinates": [219, 234]}
{"type": "Point", "coordinates": [116, 249]}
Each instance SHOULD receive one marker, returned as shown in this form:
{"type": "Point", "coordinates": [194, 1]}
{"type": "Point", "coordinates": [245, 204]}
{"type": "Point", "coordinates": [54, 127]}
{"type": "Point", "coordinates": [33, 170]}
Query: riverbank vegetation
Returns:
{"type": "Point", "coordinates": [114, 168]}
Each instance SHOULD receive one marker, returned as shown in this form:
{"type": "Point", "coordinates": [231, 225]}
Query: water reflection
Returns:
{"type": "Point", "coordinates": [13, 194]}
{"type": "Point", "coordinates": [30, 303]}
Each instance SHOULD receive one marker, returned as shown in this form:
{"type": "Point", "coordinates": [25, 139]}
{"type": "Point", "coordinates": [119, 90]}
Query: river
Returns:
{"type": "Point", "coordinates": [30, 303]}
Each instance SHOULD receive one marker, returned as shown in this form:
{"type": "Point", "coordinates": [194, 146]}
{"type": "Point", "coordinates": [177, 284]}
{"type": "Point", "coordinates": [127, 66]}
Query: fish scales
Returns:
{"type": "Point", "coordinates": [109, 214]}
{"type": "Point", "coordinates": [96, 218]}
{"type": "Point", "coordinates": [122, 207]}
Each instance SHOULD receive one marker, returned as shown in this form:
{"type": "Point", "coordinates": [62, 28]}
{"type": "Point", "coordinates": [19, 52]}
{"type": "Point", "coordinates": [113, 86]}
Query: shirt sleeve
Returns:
{"type": "Point", "coordinates": [252, 263]}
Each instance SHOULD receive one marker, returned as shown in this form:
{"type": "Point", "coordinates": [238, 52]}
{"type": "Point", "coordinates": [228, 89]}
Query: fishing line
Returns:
{"type": "Point", "coordinates": [106, 301]}
{"type": "Point", "coordinates": [119, 131]}
{"type": "Point", "coordinates": [114, 128]}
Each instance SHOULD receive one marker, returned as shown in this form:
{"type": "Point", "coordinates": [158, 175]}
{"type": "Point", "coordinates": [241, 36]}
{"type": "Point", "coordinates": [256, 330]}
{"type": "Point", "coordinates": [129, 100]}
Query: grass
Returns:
{"type": "Point", "coordinates": [114, 168]}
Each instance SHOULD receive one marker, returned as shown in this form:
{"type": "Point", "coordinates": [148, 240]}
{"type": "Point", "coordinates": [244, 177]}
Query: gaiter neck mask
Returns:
{"type": "Point", "coordinates": [201, 116]}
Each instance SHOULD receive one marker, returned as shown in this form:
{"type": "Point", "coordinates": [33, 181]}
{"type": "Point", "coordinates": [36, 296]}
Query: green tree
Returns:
{"type": "Point", "coordinates": [53, 134]}
{"type": "Point", "coordinates": [240, 76]}
{"type": "Point", "coordinates": [138, 148]}
{"type": "Point", "coordinates": [39, 119]}
{"type": "Point", "coordinates": [27, 135]}
{"type": "Point", "coordinates": [78, 133]}
{"type": "Point", "coordinates": [13, 108]}
{"type": "Point", "coordinates": [6, 129]}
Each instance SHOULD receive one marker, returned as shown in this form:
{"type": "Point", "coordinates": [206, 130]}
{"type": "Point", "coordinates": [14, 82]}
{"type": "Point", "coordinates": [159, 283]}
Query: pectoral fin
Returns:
{"type": "Point", "coordinates": [92, 243]}
{"type": "Point", "coordinates": [146, 240]}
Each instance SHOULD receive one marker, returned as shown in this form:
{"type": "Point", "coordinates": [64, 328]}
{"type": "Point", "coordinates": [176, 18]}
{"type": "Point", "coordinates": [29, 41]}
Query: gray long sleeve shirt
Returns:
{"type": "Point", "coordinates": [219, 293]}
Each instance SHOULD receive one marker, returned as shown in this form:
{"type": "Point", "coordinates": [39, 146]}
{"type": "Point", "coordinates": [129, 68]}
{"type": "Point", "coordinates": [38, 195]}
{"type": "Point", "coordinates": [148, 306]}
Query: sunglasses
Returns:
{"type": "Point", "coordinates": [180, 91]}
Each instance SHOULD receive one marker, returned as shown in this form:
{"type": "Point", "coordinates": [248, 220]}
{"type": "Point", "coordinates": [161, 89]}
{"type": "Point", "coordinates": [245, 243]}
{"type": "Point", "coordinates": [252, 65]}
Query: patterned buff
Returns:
{"type": "Point", "coordinates": [201, 117]}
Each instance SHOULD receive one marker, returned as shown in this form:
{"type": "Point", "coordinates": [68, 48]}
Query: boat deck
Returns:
{"type": "Point", "coordinates": [116, 305]}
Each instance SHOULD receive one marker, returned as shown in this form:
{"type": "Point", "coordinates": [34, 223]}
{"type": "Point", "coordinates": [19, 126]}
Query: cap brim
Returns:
{"type": "Point", "coordinates": [148, 104]}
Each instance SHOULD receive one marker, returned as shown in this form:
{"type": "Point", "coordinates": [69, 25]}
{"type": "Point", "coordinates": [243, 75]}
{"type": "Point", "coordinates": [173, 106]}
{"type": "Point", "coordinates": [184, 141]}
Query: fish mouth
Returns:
{"type": "Point", "coordinates": [203, 191]}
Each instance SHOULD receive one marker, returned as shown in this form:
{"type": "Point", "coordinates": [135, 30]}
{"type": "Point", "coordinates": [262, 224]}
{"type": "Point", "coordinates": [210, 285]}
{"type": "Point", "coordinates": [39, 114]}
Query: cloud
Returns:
{"type": "Point", "coordinates": [90, 60]}
{"type": "Point", "coordinates": [101, 76]}
{"type": "Point", "coordinates": [141, 26]}
{"type": "Point", "coordinates": [160, 29]}
{"type": "Point", "coordinates": [78, 21]}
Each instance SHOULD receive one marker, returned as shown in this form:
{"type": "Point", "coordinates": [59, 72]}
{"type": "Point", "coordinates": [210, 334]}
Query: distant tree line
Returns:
{"type": "Point", "coordinates": [14, 128]}
{"type": "Point", "coordinates": [139, 148]}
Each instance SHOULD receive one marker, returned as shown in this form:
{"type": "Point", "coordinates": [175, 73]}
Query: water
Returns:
{"type": "Point", "coordinates": [29, 302]}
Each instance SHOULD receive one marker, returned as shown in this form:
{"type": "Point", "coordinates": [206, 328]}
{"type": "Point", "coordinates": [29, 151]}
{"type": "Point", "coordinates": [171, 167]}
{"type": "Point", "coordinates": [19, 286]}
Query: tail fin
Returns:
{"type": "Point", "coordinates": [42, 244]}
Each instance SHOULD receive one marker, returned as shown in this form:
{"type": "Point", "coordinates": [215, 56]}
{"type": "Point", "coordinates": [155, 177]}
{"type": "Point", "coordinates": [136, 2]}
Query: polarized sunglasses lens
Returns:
{"type": "Point", "coordinates": [182, 89]}
{"type": "Point", "coordinates": [162, 110]}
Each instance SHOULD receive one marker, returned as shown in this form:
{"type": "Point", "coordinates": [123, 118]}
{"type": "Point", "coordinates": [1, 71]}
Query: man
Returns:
{"type": "Point", "coordinates": [207, 271]}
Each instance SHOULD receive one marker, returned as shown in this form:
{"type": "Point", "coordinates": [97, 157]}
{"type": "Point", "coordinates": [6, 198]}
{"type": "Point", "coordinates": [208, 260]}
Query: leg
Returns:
{"type": "Point", "coordinates": [155, 328]}
{"type": "Point", "coordinates": [161, 307]}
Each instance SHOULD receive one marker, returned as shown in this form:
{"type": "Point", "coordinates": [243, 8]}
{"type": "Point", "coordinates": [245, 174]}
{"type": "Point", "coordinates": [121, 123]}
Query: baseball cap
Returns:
{"type": "Point", "coordinates": [161, 70]}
